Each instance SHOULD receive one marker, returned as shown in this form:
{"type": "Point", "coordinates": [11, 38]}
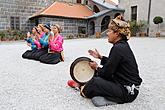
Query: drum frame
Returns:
{"type": "Point", "coordinates": [72, 67]}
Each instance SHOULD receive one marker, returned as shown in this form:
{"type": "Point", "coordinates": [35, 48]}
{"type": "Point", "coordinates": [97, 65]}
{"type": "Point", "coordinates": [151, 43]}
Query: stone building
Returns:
{"type": "Point", "coordinates": [24, 14]}
{"type": "Point", "coordinates": [14, 14]}
{"type": "Point", "coordinates": [145, 10]}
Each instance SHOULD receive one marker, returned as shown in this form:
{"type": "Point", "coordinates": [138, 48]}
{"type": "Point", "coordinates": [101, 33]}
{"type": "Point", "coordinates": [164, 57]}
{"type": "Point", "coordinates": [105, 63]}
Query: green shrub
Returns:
{"type": "Point", "coordinates": [136, 27]}
{"type": "Point", "coordinates": [2, 34]}
{"type": "Point", "coordinates": [157, 20]}
{"type": "Point", "coordinates": [133, 28]}
{"type": "Point", "coordinates": [12, 35]}
{"type": "Point", "coordinates": [141, 25]}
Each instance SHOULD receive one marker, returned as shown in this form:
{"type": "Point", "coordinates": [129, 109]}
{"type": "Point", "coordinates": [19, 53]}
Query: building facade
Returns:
{"type": "Point", "coordinates": [145, 10]}
{"type": "Point", "coordinates": [17, 15]}
{"type": "Point", "coordinates": [14, 14]}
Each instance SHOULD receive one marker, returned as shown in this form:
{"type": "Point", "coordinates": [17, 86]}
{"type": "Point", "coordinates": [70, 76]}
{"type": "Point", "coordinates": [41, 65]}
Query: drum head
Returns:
{"type": "Point", "coordinates": [80, 70]}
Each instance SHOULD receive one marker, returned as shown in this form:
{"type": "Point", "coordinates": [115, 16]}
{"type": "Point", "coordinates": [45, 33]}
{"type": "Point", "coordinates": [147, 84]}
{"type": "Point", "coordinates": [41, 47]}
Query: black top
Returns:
{"type": "Point", "coordinates": [121, 65]}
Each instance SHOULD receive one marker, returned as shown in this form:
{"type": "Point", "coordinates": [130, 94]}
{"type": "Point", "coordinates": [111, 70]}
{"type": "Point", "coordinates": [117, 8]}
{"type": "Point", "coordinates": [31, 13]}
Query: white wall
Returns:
{"type": "Point", "coordinates": [142, 8]}
{"type": "Point", "coordinates": [157, 9]}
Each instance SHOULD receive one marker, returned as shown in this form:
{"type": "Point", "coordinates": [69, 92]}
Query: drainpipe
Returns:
{"type": "Point", "coordinates": [87, 28]}
{"type": "Point", "coordinates": [148, 20]}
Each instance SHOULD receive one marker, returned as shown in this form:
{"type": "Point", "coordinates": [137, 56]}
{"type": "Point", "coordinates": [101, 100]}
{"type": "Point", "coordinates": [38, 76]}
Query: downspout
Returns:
{"type": "Point", "coordinates": [148, 20]}
{"type": "Point", "coordinates": [87, 27]}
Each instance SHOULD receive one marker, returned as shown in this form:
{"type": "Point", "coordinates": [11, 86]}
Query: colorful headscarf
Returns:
{"type": "Point", "coordinates": [120, 25]}
{"type": "Point", "coordinates": [58, 27]}
{"type": "Point", "coordinates": [36, 29]}
{"type": "Point", "coordinates": [47, 26]}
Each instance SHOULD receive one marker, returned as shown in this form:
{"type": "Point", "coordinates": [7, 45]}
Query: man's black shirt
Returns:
{"type": "Point", "coordinates": [120, 65]}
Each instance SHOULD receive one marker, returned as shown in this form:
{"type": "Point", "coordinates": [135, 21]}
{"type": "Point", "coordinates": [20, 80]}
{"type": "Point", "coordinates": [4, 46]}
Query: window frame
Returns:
{"type": "Point", "coordinates": [134, 13]}
{"type": "Point", "coordinates": [15, 22]}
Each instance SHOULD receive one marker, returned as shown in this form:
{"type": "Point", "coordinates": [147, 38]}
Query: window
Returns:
{"type": "Point", "coordinates": [82, 30]}
{"type": "Point", "coordinates": [15, 23]}
{"type": "Point", "coordinates": [117, 14]}
{"type": "Point", "coordinates": [134, 13]}
{"type": "Point", "coordinates": [36, 22]}
{"type": "Point", "coordinates": [96, 9]}
{"type": "Point", "coordinates": [86, 2]}
{"type": "Point", "coordinates": [78, 1]}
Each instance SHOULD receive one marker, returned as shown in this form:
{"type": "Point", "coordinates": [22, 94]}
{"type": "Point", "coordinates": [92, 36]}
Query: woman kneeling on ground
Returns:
{"type": "Point", "coordinates": [55, 49]}
{"type": "Point", "coordinates": [41, 34]}
{"type": "Point", "coordinates": [33, 42]}
{"type": "Point", "coordinates": [44, 42]}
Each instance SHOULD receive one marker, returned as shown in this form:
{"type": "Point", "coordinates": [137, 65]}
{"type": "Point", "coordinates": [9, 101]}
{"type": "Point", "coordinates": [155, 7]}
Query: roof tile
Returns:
{"type": "Point", "coordinates": [64, 9]}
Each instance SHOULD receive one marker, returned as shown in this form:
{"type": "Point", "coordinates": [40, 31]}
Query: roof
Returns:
{"type": "Point", "coordinates": [68, 10]}
{"type": "Point", "coordinates": [99, 14]}
{"type": "Point", "coordinates": [107, 4]}
{"type": "Point", "coordinates": [111, 2]}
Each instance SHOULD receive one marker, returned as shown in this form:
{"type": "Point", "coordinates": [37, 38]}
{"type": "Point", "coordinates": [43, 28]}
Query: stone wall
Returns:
{"type": "Point", "coordinates": [22, 9]}
{"type": "Point", "coordinates": [157, 9]}
{"type": "Point", "coordinates": [69, 26]}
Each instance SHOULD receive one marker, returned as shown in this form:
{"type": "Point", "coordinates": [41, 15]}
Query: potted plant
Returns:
{"type": "Point", "coordinates": [157, 20]}
{"type": "Point", "coordinates": [2, 35]}
{"type": "Point", "coordinates": [142, 25]}
{"type": "Point", "coordinates": [133, 27]}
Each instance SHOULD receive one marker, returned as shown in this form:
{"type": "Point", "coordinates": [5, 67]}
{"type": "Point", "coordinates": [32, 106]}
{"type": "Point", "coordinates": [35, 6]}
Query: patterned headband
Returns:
{"type": "Point", "coordinates": [120, 25]}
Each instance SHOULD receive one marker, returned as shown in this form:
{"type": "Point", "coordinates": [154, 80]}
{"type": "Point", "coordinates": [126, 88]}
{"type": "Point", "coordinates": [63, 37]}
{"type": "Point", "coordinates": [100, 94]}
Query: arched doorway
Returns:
{"type": "Point", "coordinates": [117, 14]}
{"type": "Point", "coordinates": [105, 23]}
{"type": "Point", "coordinates": [95, 9]}
{"type": "Point", "coordinates": [86, 2]}
{"type": "Point", "coordinates": [92, 28]}
{"type": "Point", "coordinates": [78, 1]}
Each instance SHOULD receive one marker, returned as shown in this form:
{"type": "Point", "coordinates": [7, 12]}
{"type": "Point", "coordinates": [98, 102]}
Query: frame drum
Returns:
{"type": "Point", "coordinates": [80, 70]}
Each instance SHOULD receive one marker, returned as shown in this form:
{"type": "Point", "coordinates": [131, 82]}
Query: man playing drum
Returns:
{"type": "Point", "coordinates": [118, 80]}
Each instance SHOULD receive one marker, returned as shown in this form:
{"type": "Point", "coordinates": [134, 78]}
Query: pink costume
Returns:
{"type": "Point", "coordinates": [55, 45]}
{"type": "Point", "coordinates": [41, 35]}
{"type": "Point", "coordinates": [37, 43]}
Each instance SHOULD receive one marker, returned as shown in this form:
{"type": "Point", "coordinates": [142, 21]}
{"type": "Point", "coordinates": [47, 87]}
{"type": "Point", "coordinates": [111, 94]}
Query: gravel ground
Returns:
{"type": "Point", "coordinates": [31, 85]}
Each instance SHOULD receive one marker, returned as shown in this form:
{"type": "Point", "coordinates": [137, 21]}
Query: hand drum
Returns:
{"type": "Point", "coordinates": [80, 70]}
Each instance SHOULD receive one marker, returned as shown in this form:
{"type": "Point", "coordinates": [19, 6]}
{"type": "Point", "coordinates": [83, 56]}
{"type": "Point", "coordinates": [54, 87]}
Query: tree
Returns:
{"type": "Point", "coordinates": [157, 20]}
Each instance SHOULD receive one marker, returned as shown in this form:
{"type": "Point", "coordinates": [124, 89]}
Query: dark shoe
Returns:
{"type": "Point", "coordinates": [99, 101]}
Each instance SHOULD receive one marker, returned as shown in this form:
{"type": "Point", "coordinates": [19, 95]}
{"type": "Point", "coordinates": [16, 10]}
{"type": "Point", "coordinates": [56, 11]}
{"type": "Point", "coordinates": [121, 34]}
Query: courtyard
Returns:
{"type": "Point", "coordinates": [31, 85]}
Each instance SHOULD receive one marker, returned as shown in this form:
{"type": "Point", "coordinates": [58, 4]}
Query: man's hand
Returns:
{"type": "Point", "coordinates": [93, 65]}
{"type": "Point", "coordinates": [95, 54]}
